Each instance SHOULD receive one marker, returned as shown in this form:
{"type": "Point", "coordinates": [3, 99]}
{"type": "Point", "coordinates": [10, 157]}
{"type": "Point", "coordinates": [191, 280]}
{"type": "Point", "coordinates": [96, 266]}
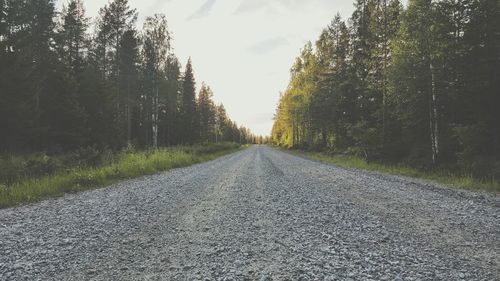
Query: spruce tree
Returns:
{"type": "Point", "coordinates": [71, 38]}
{"type": "Point", "coordinates": [206, 114]}
{"type": "Point", "coordinates": [189, 127]}
{"type": "Point", "coordinates": [170, 98]}
{"type": "Point", "coordinates": [129, 80]}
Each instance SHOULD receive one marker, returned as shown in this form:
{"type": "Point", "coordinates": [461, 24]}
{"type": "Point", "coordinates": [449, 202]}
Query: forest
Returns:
{"type": "Point", "coordinates": [415, 85]}
{"type": "Point", "coordinates": [68, 82]}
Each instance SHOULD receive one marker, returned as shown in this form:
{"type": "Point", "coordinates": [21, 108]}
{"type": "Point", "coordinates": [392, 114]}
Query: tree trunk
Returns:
{"type": "Point", "coordinates": [325, 140]}
{"type": "Point", "coordinates": [433, 112]}
{"type": "Point", "coordinates": [128, 113]}
{"type": "Point", "coordinates": [384, 79]}
{"type": "Point", "coordinates": [155, 117]}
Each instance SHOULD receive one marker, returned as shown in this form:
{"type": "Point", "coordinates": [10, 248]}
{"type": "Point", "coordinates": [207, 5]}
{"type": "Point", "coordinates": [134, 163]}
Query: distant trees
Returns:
{"type": "Point", "coordinates": [414, 86]}
{"type": "Point", "coordinates": [63, 87]}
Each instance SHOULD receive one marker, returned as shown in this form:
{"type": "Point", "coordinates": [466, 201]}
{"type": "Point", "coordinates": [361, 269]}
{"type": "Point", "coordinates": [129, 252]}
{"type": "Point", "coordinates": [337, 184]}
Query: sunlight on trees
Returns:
{"type": "Point", "coordinates": [416, 85]}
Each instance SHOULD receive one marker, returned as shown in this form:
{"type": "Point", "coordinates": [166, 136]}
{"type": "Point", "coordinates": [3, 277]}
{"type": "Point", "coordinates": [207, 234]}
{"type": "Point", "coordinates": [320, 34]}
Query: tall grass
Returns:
{"type": "Point", "coordinates": [126, 165]}
{"type": "Point", "coordinates": [441, 176]}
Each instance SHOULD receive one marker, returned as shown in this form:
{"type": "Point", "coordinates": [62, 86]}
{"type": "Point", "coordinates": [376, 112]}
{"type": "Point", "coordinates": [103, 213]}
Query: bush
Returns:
{"type": "Point", "coordinates": [84, 156]}
{"type": "Point", "coordinates": [14, 168]}
{"type": "Point", "coordinates": [11, 169]}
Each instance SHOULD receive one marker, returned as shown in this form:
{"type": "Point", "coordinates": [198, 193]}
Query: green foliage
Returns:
{"type": "Point", "coordinates": [206, 111]}
{"type": "Point", "coordinates": [188, 112]}
{"type": "Point", "coordinates": [62, 89]}
{"type": "Point", "coordinates": [416, 86]}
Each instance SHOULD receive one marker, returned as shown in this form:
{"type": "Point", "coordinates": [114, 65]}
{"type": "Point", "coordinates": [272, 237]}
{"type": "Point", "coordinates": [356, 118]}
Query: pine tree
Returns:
{"type": "Point", "coordinates": [169, 102]}
{"type": "Point", "coordinates": [414, 82]}
{"type": "Point", "coordinates": [114, 20]}
{"type": "Point", "coordinates": [129, 78]}
{"type": "Point", "coordinates": [332, 107]}
{"type": "Point", "coordinates": [29, 30]}
{"type": "Point", "coordinates": [188, 106]}
{"type": "Point", "coordinates": [222, 126]}
{"type": "Point", "coordinates": [478, 131]}
{"type": "Point", "coordinates": [98, 103]}
{"type": "Point", "coordinates": [71, 37]}
{"type": "Point", "coordinates": [385, 24]}
{"type": "Point", "coordinates": [61, 89]}
{"type": "Point", "coordinates": [206, 113]}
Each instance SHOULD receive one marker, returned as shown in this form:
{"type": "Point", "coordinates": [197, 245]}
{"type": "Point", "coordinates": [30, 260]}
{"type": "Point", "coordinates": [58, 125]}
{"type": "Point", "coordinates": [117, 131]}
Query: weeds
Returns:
{"type": "Point", "coordinates": [444, 177]}
{"type": "Point", "coordinates": [126, 165]}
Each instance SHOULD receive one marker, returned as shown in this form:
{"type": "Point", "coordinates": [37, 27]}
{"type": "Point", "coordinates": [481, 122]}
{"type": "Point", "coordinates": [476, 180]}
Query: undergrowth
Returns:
{"type": "Point", "coordinates": [26, 187]}
{"type": "Point", "coordinates": [441, 176]}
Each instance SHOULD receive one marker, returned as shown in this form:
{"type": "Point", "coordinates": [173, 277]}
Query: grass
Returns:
{"type": "Point", "coordinates": [443, 177]}
{"type": "Point", "coordinates": [126, 165]}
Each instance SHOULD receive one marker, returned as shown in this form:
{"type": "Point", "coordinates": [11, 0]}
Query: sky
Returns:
{"type": "Point", "coordinates": [243, 49]}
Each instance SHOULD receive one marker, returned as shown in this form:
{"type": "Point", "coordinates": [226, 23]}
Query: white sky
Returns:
{"type": "Point", "coordinates": [243, 49]}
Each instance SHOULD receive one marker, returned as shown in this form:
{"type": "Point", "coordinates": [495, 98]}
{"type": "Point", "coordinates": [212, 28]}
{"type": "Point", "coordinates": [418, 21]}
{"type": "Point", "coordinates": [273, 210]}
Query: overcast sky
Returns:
{"type": "Point", "coordinates": [243, 49]}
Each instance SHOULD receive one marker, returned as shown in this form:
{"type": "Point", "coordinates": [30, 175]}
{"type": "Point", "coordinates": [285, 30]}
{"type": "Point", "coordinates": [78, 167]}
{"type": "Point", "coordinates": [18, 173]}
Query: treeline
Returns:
{"type": "Point", "coordinates": [418, 86]}
{"type": "Point", "coordinates": [66, 83]}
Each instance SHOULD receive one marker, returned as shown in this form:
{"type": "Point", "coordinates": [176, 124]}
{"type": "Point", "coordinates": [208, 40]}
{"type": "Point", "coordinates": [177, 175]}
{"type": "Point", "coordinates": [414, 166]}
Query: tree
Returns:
{"type": "Point", "coordinates": [114, 20]}
{"type": "Point", "coordinates": [294, 125]}
{"type": "Point", "coordinates": [478, 131]}
{"type": "Point", "coordinates": [206, 113]}
{"type": "Point", "coordinates": [129, 78]}
{"type": "Point", "coordinates": [71, 37]}
{"type": "Point", "coordinates": [3, 25]}
{"type": "Point", "coordinates": [188, 106]}
{"type": "Point", "coordinates": [385, 24]}
{"type": "Point", "coordinates": [156, 45]}
{"type": "Point", "coordinates": [169, 102]}
{"type": "Point", "coordinates": [41, 99]}
{"type": "Point", "coordinates": [156, 38]}
{"type": "Point", "coordinates": [222, 124]}
{"type": "Point", "coordinates": [28, 27]}
{"type": "Point", "coordinates": [61, 89]}
{"type": "Point", "coordinates": [417, 57]}
{"type": "Point", "coordinates": [332, 108]}
{"type": "Point", "coordinates": [414, 86]}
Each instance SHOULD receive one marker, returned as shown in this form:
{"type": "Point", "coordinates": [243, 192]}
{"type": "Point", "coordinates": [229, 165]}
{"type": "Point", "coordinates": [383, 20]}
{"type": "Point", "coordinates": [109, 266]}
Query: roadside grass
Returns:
{"type": "Point", "coordinates": [126, 165]}
{"type": "Point", "coordinates": [443, 177]}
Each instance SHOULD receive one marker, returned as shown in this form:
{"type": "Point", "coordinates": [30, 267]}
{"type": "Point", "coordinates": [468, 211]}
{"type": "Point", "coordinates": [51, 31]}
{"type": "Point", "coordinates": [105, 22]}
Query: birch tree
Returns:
{"type": "Point", "coordinates": [156, 46]}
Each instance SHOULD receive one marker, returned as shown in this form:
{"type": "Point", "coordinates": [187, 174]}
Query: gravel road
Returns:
{"type": "Point", "coordinates": [258, 214]}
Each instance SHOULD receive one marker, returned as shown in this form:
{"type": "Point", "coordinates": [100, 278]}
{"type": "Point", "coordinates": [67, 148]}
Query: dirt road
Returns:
{"type": "Point", "coordinates": [259, 214]}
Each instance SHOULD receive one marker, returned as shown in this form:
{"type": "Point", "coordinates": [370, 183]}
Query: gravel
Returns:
{"type": "Point", "coordinates": [259, 214]}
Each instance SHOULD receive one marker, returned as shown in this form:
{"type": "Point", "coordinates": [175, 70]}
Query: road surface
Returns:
{"type": "Point", "coordinates": [258, 214]}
